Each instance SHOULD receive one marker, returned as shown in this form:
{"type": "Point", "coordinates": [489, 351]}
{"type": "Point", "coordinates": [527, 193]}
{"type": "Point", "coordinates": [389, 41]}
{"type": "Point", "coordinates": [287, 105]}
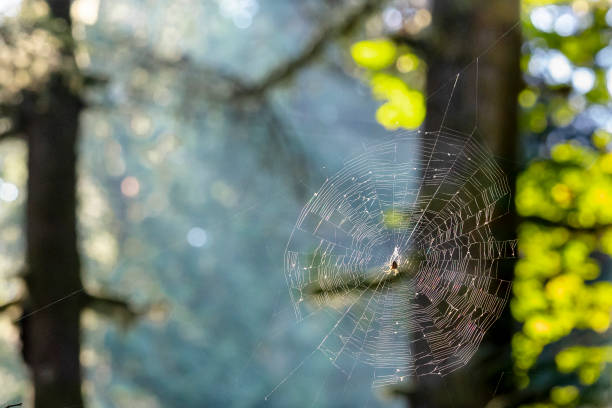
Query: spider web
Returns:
{"type": "Point", "coordinates": [399, 247]}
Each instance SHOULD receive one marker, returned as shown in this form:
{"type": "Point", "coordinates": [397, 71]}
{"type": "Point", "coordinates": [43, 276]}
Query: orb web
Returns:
{"type": "Point", "coordinates": [399, 247]}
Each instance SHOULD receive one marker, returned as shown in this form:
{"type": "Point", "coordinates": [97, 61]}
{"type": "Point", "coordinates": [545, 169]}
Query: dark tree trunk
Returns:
{"type": "Point", "coordinates": [464, 31]}
{"type": "Point", "coordinates": [50, 326]}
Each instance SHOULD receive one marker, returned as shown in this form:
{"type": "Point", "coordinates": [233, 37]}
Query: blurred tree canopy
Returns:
{"type": "Point", "coordinates": [562, 290]}
{"type": "Point", "coordinates": [394, 76]}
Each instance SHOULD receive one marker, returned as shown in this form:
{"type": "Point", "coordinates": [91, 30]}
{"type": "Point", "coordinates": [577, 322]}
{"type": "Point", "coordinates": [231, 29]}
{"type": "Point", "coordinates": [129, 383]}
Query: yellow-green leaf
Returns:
{"type": "Point", "coordinates": [374, 54]}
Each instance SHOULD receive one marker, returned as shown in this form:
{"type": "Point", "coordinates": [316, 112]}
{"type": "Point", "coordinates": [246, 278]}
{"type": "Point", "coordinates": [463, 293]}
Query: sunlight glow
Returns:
{"type": "Point", "coordinates": [566, 24]}
{"type": "Point", "coordinates": [8, 192]}
{"type": "Point", "coordinates": [609, 80]}
{"type": "Point", "coordinates": [609, 17]}
{"type": "Point", "coordinates": [583, 80]}
{"type": "Point", "coordinates": [197, 237]}
{"type": "Point", "coordinates": [559, 68]}
{"type": "Point", "coordinates": [85, 11]}
{"type": "Point", "coordinates": [603, 58]}
{"type": "Point", "coordinates": [241, 12]}
{"type": "Point", "coordinates": [130, 187]}
{"type": "Point", "coordinates": [543, 19]}
{"type": "Point", "coordinates": [393, 18]}
{"type": "Point", "coordinates": [9, 8]}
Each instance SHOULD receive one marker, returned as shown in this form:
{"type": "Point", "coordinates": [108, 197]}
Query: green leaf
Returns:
{"type": "Point", "coordinates": [374, 54]}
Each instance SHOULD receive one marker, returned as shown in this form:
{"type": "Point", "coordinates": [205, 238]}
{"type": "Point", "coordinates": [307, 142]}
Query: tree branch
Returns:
{"type": "Point", "coordinates": [11, 113]}
{"type": "Point", "coordinates": [10, 304]}
{"type": "Point", "coordinates": [10, 134]}
{"type": "Point", "coordinates": [111, 306]}
{"type": "Point", "coordinates": [312, 50]}
{"type": "Point", "coordinates": [224, 86]}
{"type": "Point", "coordinates": [546, 223]}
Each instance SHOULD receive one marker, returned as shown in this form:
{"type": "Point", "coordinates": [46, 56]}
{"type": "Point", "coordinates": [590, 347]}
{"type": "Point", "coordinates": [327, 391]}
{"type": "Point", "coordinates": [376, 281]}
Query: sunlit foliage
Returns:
{"type": "Point", "coordinates": [26, 59]}
{"type": "Point", "coordinates": [588, 362]}
{"type": "Point", "coordinates": [552, 291]}
{"type": "Point", "coordinates": [376, 54]}
{"type": "Point", "coordinates": [388, 71]}
{"type": "Point", "coordinates": [575, 187]}
{"type": "Point", "coordinates": [33, 49]}
{"type": "Point", "coordinates": [562, 294]}
{"type": "Point", "coordinates": [557, 289]}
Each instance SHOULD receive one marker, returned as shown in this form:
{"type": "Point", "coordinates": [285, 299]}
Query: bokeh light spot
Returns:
{"type": "Point", "coordinates": [8, 192]}
{"type": "Point", "coordinates": [197, 237]}
{"type": "Point", "coordinates": [130, 187]}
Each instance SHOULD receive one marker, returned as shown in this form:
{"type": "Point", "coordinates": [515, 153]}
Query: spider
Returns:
{"type": "Point", "coordinates": [394, 265]}
{"type": "Point", "coordinates": [393, 268]}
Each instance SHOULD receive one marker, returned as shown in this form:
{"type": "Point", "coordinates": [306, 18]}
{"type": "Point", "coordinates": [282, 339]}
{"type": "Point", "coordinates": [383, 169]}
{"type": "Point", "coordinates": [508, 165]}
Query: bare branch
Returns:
{"type": "Point", "coordinates": [10, 134]}
{"type": "Point", "coordinates": [313, 49]}
{"type": "Point", "coordinates": [10, 112]}
{"type": "Point", "coordinates": [10, 304]}
{"type": "Point", "coordinates": [111, 306]}
{"type": "Point", "coordinates": [547, 223]}
{"type": "Point", "coordinates": [224, 86]}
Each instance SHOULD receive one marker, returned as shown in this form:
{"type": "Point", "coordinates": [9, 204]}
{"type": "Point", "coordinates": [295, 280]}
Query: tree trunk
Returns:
{"type": "Point", "coordinates": [464, 30]}
{"type": "Point", "coordinates": [50, 326]}
{"type": "Point", "coordinates": [470, 38]}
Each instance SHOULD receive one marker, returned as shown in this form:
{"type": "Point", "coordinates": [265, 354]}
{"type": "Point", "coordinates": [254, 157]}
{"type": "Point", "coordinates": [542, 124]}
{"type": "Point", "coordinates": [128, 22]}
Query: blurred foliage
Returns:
{"type": "Point", "coordinates": [375, 55]}
{"type": "Point", "coordinates": [574, 187]}
{"type": "Point", "coordinates": [390, 70]}
{"type": "Point", "coordinates": [163, 167]}
{"type": "Point", "coordinates": [397, 218]}
{"type": "Point", "coordinates": [562, 294]}
{"type": "Point", "coordinates": [557, 288]}
{"type": "Point", "coordinates": [35, 48]}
